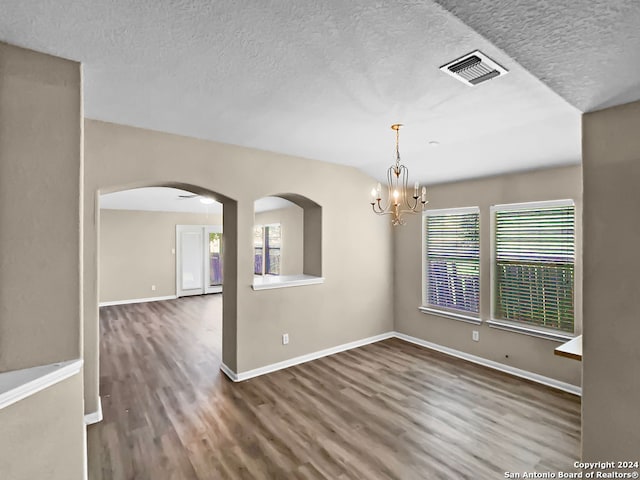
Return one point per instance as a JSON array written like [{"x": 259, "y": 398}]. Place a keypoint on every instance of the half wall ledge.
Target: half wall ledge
[
  {"x": 284, "y": 281},
  {"x": 17, "y": 385}
]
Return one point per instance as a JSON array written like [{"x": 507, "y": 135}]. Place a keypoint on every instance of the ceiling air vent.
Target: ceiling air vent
[{"x": 474, "y": 68}]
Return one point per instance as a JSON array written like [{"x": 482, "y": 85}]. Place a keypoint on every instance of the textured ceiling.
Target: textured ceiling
[
  {"x": 587, "y": 51},
  {"x": 322, "y": 80},
  {"x": 166, "y": 199}
]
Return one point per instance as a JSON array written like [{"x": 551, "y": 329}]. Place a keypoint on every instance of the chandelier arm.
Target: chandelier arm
[
  {"x": 377, "y": 209},
  {"x": 390, "y": 174},
  {"x": 382, "y": 212},
  {"x": 405, "y": 185},
  {"x": 380, "y": 207},
  {"x": 415, "y": 204}
]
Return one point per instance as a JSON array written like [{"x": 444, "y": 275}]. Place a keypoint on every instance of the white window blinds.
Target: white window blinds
[
  {"x": 534, "y": 265},
  {"x": 452, "y": 259}
]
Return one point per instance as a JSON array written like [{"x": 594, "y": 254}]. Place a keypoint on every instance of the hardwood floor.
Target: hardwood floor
[{"x": 389, "y": 410}]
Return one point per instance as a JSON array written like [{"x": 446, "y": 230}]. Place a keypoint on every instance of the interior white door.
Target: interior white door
[
  {"x": 198, "y": 259},
  {"x": 189, "y": 260}
]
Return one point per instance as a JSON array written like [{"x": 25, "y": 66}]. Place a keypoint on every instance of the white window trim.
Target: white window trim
[
  {"x": 555, "y": 335},
  {"x": 450, "y": 211},
  {"x": 518, "y": 327},
  {"x": 566, "y": 202},
  {"x": 452, "y": 315},
  {"x": 433, "y": 309}
]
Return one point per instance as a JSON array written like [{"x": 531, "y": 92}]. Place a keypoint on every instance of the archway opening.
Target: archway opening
[
  {"x": 199, "y": 208},
  {"x": 287, "y": 241}
]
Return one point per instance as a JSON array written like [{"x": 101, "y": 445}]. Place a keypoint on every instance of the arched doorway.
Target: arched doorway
[{"x": 229, "y": 285}]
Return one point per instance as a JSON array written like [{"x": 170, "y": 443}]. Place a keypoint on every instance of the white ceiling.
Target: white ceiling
[
  {"x": 165, "y": 199},
  {"x": 325, "y": 80},
  {"x": 587, "y": 51}
]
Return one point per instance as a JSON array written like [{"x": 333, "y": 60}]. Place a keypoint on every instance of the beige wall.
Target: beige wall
[
  {"x": 136, "y": 252},
  {"x": 291, "y": 222},
  {"x": 43, "y": 435},
  {"x": 611, "y": 383},
  {"x": 40, "y": 259},
  {"x": 136, "y": 249},
  {"x": 525, "y": 352},
  {"x": 353, "y": 303},
  {"x": 40, "y": 168}
]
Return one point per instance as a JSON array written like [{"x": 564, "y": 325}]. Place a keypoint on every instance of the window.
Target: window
[
  {"x": 451, "y": 240},
  {"x": 267, "y": 242},
  {"x": 533, "y": 271},
  {"x": 215, "y": 258}
]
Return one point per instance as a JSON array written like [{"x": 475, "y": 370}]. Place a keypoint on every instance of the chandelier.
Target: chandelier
[{"x": 399, "y": 200}]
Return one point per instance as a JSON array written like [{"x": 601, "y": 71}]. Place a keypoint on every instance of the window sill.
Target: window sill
[
  {"x": 454, "y": 316},
  {"x": 284, "y": 281},
  {"x": 534, "y": 332}
]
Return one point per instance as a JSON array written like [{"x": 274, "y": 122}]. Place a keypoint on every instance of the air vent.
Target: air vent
[{"x": 474, "y": 68}]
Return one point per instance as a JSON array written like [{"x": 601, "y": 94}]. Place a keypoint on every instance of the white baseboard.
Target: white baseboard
[
  {"x": 534, "y": 377},
  {"x": 94, "y": 417},
  {"x": 136, "y": 300},
  {"x": 239, "y": 377},
  {"x": 233, "y": 376},
  {"x": 85, "y": 463}
]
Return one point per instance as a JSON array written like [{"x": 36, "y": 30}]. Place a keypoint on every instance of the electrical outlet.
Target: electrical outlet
[
  {"x": 475, "y": 336},
  {"x": 285, "y": 338},
  {"x": 153, "y": 288},
  {"x": 173, "y": 251}
]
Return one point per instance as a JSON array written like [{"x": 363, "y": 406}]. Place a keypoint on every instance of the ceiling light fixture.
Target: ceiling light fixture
[
  {"x": 398, "y": 198},
  {"x": 207, "y": 200}
]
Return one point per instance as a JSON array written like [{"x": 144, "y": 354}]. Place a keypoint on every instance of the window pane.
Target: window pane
[
  {"x": 215, "y": 259},
  {"x": 535, "y": 257},
  {"x": 453, "y": 261},
  {"x": 273, "y": 241},
  {"x": 258, "y": 240},
  {"x": 257, "y": 261},
  {"x": 273, "y": 262}
]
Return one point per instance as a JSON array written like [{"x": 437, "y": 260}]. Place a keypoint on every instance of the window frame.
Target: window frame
[
  {"x": 521, "y": 327},
  {"x": 425, "y": 307}
]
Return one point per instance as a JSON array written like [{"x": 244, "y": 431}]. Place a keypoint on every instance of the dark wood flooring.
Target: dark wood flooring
[{"x": 389, "y": 410}]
